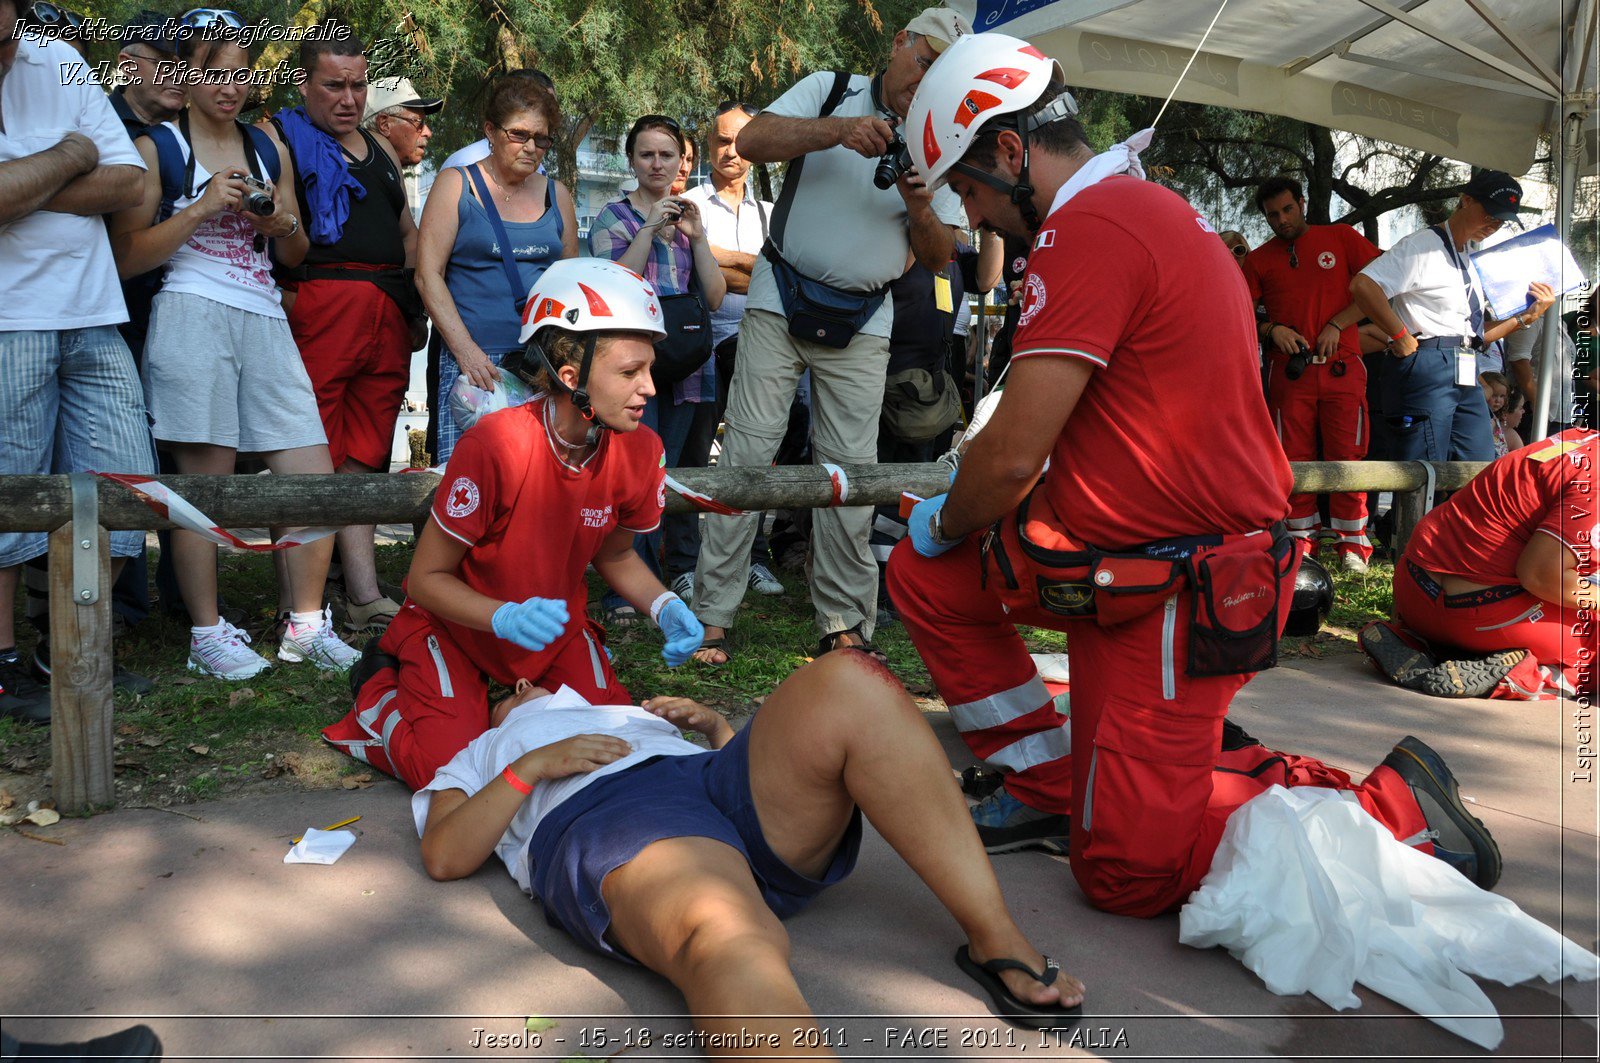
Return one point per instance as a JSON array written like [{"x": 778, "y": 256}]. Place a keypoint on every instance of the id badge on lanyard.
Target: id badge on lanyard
[{"x": 1466, "y": 366}]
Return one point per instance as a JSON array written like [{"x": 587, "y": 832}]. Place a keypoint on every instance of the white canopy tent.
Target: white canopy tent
[{"x": 1476, "y": 80}]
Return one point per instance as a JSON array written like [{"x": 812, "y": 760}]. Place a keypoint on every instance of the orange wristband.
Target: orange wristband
[
  {"x": 1397, "y": 335},
  {"x": 517, "y": 784}
]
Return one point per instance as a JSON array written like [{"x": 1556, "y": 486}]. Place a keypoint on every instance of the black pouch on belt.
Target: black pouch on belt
[{"x": 1234, "y": 616}]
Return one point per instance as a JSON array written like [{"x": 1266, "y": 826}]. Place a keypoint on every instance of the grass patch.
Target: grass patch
[{"x": 193, "y": 738}]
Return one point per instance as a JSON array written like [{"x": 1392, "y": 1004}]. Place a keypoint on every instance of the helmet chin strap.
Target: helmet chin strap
[
  {"x": 579, "y": 396},
  {"x": 1021, "y": 191}
]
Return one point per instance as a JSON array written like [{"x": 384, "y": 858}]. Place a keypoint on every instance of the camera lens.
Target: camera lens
[
  {"x": 896, "y": 162},
  {"x": 1297, "y": 363},
  {"x": 259, "y": 203}
]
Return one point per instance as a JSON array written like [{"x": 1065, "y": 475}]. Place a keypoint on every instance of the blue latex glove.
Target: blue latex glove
[
  {"x": 533, "y": 624},
  {"x": 918, "y": 527},
  {"x": 682, "y": 630}
]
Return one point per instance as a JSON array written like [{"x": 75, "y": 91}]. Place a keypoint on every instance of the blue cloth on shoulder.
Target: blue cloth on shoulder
[{"x": 324, "y": 174}]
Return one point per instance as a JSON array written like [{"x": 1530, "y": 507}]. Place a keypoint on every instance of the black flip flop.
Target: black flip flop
[
  {"x": 1007, "y": 1006},
  {"x": 830, "y": 643},
  {"x": 718, "y": 643}
]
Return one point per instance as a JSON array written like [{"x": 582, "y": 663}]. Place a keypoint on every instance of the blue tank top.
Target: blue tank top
[{"x": 476, "y": 277}]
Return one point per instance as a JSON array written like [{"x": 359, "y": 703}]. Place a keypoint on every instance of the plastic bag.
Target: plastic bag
[
  {"x": 469, "y": 403},
  {"x": 1313, "y": 895}
]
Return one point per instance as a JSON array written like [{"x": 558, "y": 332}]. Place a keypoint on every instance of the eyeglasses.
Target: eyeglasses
[
  {"x": 735, "y": 105},
  {"x": 201, "y": 17},
  {"x": 48, "y": 14},
  {"x": 542, "y": 141},
  {"x": 1294, "y": 259},
  {"x": 419, "y": 123}
]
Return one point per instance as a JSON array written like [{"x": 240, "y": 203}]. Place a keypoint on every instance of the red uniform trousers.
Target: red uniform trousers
[
  {"x": 1501, "y": 618},
  {"x": 1322, "y": 410},
  {"x": 357, "y": 350},
  {"x": 1142, "y": 763},
  {"x": 409, "y": 722}
]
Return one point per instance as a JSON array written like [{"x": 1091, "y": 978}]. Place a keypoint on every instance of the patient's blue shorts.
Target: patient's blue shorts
[{"x": 701, "y": 795}]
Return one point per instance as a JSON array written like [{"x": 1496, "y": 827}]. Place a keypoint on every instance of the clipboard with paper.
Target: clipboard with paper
[{"x": 1507, "y": 269}]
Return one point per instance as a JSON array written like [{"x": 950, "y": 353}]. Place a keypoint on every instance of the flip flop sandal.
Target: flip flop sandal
[
  {"x": 714, "y": 644},
  {"x": 830, "y": 643},
  {"x": 1007, "y": 1006},
  {"x": 622, "y": 616}
]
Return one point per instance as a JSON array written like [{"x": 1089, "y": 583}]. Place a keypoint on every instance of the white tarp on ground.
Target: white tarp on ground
[{"x": 1368, "y": 66}]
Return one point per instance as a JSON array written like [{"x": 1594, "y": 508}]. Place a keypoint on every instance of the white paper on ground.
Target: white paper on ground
[
  {"x": 1314, "y": 895},
  {"x": 1052, "y": 667},
  {"x": 320, "y": 847}
]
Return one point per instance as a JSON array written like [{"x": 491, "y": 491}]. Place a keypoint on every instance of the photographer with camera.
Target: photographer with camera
[
  {"x": 221, "y": 370},
  {"x": 837, "y": 237},
  {"x": 1316, "y": 380}
]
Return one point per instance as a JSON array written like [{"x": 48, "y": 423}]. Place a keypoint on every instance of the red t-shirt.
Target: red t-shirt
[
  {"x": 1481, "y": 531},
  {"x": 1171, "y": 437},
  {"x": 532, "y": 523},
  {"x": 1304, "y": 297}
]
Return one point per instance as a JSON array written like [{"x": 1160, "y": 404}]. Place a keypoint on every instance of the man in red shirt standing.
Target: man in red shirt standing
[
  {"x": 1508, "y": 563},
  {"x": 1316, "y": 382},
  {"x": 1158, "y": 537}
]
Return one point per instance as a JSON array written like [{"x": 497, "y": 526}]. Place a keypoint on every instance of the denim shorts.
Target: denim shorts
[
  {"x": 70, "y": 401},
  {"x": 700, "y": 795}
]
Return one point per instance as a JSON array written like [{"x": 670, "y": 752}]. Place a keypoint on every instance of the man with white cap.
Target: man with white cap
[
  {"x": 1157, "y": 542},
  {"x": 849, "y": 216},
  {"x": 398, "y": 113}
]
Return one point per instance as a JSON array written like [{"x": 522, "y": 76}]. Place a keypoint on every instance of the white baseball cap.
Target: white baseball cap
[{"x": 385, "y": 93}]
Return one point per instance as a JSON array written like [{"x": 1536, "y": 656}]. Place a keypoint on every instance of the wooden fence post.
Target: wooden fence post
[
  {"x": 80, "y": 659},
  {"x": 1409, "y": 507}
]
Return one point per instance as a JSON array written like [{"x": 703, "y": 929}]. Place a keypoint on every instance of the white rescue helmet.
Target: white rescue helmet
[
  {"x": 977, "y": 79},
  {"x": 591, "y": 295}
]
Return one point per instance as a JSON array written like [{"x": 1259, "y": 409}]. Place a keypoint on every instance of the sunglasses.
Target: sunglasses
[
  {"x": 47, "y": 14},
  {"x": 201, "y": 17},
  {"x": 1294, "y": 259},
  {"x": 648, "y": 120},
  {"x": 1239, "y": 250},
  {"x": 537, "y": 75},
  {"x": 542, "y": 141},
  {"x": 735, "y": 105}
]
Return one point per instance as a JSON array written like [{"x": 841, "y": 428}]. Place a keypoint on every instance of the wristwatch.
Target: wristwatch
[
  {"x": 294, "y": 226},
  {"x": 936, "y": 528}
]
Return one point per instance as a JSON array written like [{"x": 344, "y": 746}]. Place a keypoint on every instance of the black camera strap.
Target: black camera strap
[
  {"x": 791, "y": 180},
  {"x": 189, "y": 190}
]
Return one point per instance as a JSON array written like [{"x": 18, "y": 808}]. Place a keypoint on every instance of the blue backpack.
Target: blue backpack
[{"x": 177, "y": 171}]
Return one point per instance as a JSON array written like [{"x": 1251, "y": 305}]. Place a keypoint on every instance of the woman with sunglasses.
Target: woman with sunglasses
[
  {"x": 463, "y": 265},
  {"x": 222, "y": 373},
  {"x": 662, "y": 237}
]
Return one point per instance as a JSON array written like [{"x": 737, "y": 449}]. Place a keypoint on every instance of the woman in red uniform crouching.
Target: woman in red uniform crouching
[{"x": 531, "y": 496}]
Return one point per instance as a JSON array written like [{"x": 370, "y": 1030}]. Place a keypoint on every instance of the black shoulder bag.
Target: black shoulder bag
[
  {"x": 687, "y": 321},
  {"x": 817, "y": 312}
]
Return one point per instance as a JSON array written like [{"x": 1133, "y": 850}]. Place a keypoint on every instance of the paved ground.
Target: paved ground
[{"x": 197, "y": 921}]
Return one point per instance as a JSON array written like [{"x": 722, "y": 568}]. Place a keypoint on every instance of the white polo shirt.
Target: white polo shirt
[
  {"x": 732, "y": 230},
  {"x": 1425, "y": 287},
  {"x": 56, "y": 270},
  {"x": 843, "y": 230}
]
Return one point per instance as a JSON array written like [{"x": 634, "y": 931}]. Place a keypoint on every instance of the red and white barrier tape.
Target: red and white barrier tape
[
  {"x": 840, "y": 482},
  {"x": 704, "y": 503},
  {"x": 166, "y": 502}
]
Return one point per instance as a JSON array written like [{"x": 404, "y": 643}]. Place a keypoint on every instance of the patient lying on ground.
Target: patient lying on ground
[{"x": 650, "y": 849}]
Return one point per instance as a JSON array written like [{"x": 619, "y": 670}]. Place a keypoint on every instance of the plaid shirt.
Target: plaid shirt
[{"x": 668, "y": 269}]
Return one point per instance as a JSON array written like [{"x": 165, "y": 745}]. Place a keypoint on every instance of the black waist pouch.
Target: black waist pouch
[{"x": 818, "y": 312}]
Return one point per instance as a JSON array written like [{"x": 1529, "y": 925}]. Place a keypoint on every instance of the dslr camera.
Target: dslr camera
[
  {"x": 1297, "y": 362},
  {"x": 257, "y": 197},
  {"x": 895, "y": 164}
]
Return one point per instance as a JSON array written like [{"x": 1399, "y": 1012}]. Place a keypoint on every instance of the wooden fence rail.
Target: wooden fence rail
[{"x": 78, "y": 511}]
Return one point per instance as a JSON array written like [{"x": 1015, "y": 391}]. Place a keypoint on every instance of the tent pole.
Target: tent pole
[{"x": 1567, "y": 145}]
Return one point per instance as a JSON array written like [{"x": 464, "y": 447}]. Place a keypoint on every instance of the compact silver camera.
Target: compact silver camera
[{"x": 257, "y": 197}]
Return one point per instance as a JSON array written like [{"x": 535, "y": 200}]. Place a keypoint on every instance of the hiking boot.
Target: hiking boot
[
  {"x": 21, "y": 697},
  {"x": 121, "y": 679},
  {"x": 224, "y": 652},
  {"x": 1351, "y": 561},
  {"x": 683, "y": 587},
  {"x": 762, "y": 581},
  {"x": 1410, "y": 666},
  {"x": 319, "y": 644},
  {"x": 373, "y": 661},
  {"x": 372, "y": 618},
  {"x": 1005, "y": 824},
  {"x": 1459, "y": 838}
]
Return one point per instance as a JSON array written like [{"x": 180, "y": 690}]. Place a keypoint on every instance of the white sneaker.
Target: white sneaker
[
  {"x": 1351, "y": 561},
  {"x": 762, "y": 581},
  {"x": 319, "y": 645},
  {"x": 683, "y": 587},
  {"x": 225, "y": 654}
]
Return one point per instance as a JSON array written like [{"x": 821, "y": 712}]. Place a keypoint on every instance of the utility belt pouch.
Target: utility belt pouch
[
  {"x": 818, "y": 312},
  {"x": 1037, "y": 565},
  {"x": 1235, "y": 613}
]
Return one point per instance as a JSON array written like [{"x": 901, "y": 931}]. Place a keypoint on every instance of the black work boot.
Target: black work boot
[{"x": 1459, "y": 838}]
